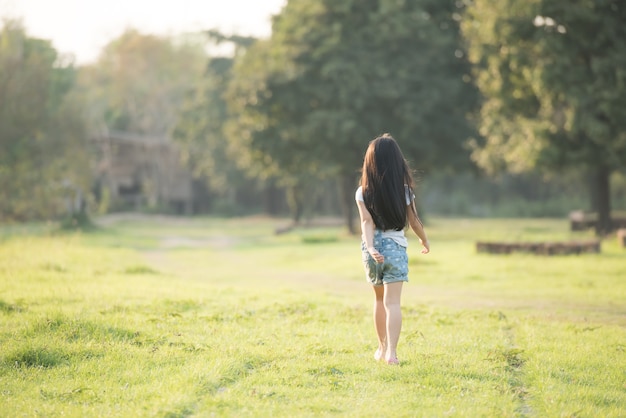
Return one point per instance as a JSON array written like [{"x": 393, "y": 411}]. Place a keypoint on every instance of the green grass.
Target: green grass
[{"x": 163, "y": 317}]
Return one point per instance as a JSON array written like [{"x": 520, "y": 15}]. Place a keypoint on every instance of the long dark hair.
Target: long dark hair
[{"x": 385, "y": 174}]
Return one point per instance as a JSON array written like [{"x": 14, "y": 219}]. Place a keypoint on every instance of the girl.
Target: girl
[{"x": 386, "y": 204}]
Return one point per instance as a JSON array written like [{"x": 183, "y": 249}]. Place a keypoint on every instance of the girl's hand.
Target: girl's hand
[
  {"x": 426, "y": 246},
  {"x": 378, "y": 257}
]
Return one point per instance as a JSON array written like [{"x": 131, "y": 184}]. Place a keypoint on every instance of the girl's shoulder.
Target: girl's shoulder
[
  {"x": 358, "y": 196},
  {"x": 409, "y": 196}
]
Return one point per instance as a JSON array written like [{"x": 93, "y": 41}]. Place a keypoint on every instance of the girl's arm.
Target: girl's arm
[
  {"x": 367, "y": 230},
  {"x": 418, "y": 227}
]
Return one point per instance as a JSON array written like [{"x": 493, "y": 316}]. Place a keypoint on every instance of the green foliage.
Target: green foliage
[
  {"x": 512, "y": 195},
  {"x": 289, "y": 332},
  {"x": 335, "y": 74},
  {"x": 551, "y": 75},
  {"x": 262, "y": 136},
  {"x": 43, "y": 154},
  {"x": 553, "y": 92},
  {"x": 200, "y": 130},
  {"x": 205, "y": 149},
  {"x": 139, "y": 82}
]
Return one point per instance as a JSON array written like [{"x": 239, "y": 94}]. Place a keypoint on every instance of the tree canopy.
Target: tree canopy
[
  {"x": 535, "y": 87},
  {"x": 201, "y": 130},
  {"x": 140, "y": 81},
  {"x": 43, "y": 152},
  {"x": 552, "y": 75},
  {"x": 335, "y": 74}
]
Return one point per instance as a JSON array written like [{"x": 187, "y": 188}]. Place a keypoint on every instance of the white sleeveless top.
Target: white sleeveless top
[{"x": 397, "y": 236}]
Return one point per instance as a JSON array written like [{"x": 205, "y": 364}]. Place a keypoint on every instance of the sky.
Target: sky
[{"x": 83, "y": 27}]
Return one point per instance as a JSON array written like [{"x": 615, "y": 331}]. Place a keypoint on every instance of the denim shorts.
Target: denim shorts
[{"x": 395, "y": 268}]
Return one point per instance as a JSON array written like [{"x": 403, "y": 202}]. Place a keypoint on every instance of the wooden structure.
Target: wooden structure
[
  {"x": 142, "y": 171},
  {"x": 541, "y": 248}
]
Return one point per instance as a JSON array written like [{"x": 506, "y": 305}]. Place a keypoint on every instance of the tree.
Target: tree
[
  {"x": 263, "y": 129},
  {"x": 137, "y": 87},
  {"x": 140, "y": 81},
  {"x": 554, "y": 88},
  {"x": 43, "y": 149},
  {"x": 335, "y": 74},
  {"x": 200, "y": 131}
]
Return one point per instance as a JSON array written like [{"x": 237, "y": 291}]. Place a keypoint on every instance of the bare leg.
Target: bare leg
[
  {"x": 380, "y": 322},
  {"x": 391, "y": 300}
]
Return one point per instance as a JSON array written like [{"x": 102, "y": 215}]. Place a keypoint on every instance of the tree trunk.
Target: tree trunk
[
  {"x": 593, "y": 191},
  {"x": 295, "y": 200},
  {"x": 603, "y": 200},
  {"x": 347, "y": 188},
  {"x": 271, "y": 199}
]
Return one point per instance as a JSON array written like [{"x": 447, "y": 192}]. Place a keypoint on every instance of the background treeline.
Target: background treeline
[{"x": 504, "y": 108}]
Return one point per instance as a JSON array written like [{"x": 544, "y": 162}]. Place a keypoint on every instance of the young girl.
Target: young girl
[{"x": 386, "y": 204}]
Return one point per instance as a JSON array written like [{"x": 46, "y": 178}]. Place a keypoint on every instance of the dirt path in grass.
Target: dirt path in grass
[
  {"x": 159, "y": 257},
  {"x": 166, "y": 259}
]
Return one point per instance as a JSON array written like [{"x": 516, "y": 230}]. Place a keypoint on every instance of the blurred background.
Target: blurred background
[{"x": 503, "y": 108}]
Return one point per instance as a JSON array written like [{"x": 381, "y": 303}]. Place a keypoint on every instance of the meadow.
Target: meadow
[{"x": 152, "y": 316}]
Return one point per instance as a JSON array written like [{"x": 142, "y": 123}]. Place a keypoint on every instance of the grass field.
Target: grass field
[{"x": 167, "y": 317}]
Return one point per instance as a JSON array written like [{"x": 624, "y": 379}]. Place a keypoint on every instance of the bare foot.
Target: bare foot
[
  {"x": 393, "y": 361},
  {"x": 378, "y": 355}
]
